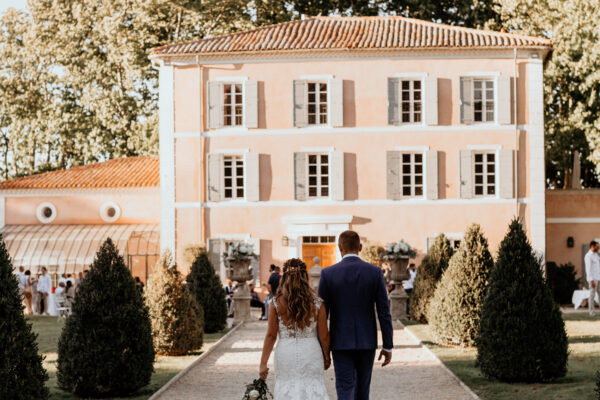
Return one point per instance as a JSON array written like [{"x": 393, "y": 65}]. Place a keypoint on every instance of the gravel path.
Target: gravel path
[{"x": 413, "y": 374}]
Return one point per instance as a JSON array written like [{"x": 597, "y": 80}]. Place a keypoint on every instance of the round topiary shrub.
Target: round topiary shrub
[
  {"x": 177, "y": 320},
  {"x": 522, "y": 336},
  {"x": 22, "y": 376},
  {"x": 428, "y": 275},
  {"x": 206, "y": 288},
  {"x": 455, "y": 309},
  {"x": 105, "y": 348}
]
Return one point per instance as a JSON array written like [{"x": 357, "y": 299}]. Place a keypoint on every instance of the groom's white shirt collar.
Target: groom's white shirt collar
[{"x": 349, "y": 255}]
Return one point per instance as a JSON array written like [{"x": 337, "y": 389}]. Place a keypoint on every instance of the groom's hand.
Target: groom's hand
[{"x": 387, "y": 357}]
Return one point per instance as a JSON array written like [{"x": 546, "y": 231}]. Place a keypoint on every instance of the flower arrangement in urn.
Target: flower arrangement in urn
[
  {"x": 238, "y": 251},
  {"x": 257, "y": 390},
  {"x": 395, "y": 251}
]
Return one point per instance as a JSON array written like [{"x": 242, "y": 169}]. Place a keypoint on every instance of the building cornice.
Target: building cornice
[{"x": 76, "y": 191}]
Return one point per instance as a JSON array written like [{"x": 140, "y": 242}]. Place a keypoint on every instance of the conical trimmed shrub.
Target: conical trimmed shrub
[
  {"x": 428, "y": 275},
  {"x": 206, "y": 288},
  {"x": 177, "y": 320},
  {"x": 455, "y": 310},
  {"x": 105, "y": 348},
  {"x": 598, "y": 385},
  {"x": 22, "y": 376},
  {"x": 522, "y": 336}
]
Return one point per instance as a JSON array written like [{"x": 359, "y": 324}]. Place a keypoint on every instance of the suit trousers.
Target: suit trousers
[
  {"x": 593, "y": 291},
  {"x": 353, "y": 369}
]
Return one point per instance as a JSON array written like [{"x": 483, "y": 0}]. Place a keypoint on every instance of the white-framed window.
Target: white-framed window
[
  {"x": 411, "y": 100},
  {"x": 110, "y": 211},
  {"x": 484, "y": 173},
  {"x": 411, "y": 182},
  {"x": 318, "y": 175},
  {"x": 317, "y": 103},
  {"x": 233, "y": 177},
  {"x": 233, "y": 104},
  {"x": 483, "y": 100},
  {"x": 318, "y": 239},
  {"x": 45, "y": 212}
]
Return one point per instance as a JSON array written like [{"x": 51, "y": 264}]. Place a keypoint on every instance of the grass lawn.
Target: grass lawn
[
  {"x": 49, "y": 328},
  {"x": 579, "y": 383}
]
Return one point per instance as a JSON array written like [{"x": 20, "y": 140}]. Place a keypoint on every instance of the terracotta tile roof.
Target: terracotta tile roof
[
  {"x": 116, "y": 173},
  {"x": 341, "y": 33}
]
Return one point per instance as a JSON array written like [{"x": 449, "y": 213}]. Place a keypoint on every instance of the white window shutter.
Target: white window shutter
[
  {"x": 215, "y": 104},
  {"x": 336, "y": 102},
  {"x": 466, "y": 174},
  {"x": 431, "y": 167},
  {"x": 393, "y": 101},
  {"x": 504, "y": 108},
  {"x": 216, "y": 248},
  {"x": 336, "y": 179},
  {"x": 251, "y": 104},
  {"x": 466, "y": 100},
  {"x": 431, "y": 100},
  {"x": 393, "y": 190},
  {"x": 506, "y": 174},
  {"x": 300, "y": 178},
  {"x": 300, "y": 103},
  {"x": 215, "y": 177},
  {"x": 252, "y": 184}
]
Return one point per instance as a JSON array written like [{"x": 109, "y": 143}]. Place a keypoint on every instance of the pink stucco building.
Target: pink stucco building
[{"x": 286, "y": 135}]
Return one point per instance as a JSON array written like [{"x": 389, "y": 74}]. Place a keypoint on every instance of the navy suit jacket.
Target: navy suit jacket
[{"x": 351, "y": 289}]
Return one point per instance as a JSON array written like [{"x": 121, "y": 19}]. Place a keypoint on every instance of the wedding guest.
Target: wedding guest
[
  {"x": 44, "y": 286},
  {"x": 409, "y": 283},
  {"x": 229, "y": 297},
  {"x": 28, "y": 292},
  {"x": 592, "y": 274},
  {"x": 71, "y": 279},
  {"x": 62, "y": 279},
  {"x": 274, "y": 279},
  {"x": 256, "y": 303},
  {"x": 60, "y": 289},
  {"x": 70, "y": 293},
  {"x": 21, "y": 280},
  {"x": 78, "y": 281}
]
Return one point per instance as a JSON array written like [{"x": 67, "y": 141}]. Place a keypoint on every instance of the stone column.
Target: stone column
[
  {"x": 398, "y": 297},
  {"x": 314, "y": 275},
  {"x": 240, "y": 273}
]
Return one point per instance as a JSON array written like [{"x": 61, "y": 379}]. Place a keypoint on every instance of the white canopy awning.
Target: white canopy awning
[{"x": 72, "y": 248}]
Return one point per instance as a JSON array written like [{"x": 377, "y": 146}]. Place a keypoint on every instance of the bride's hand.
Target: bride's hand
[
  {"x": 263, "y": 371},
  {"x": 326, "y": 363}
]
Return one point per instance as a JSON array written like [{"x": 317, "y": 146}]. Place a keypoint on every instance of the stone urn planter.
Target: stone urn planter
[
  {"x": 314, "y": 275},
  {"x": 239, "y": 271},
  {"x": 398, "y": 297}
]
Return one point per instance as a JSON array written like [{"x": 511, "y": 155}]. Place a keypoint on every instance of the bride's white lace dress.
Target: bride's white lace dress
[{"x": 299, "y": 373}]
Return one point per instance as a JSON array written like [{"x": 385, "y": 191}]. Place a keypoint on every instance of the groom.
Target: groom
[{"x": 351, "y": 289}]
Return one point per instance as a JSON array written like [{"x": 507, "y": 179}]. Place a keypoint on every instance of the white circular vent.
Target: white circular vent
[
  {"x": 46, "y": 212},
  {"x": 110, "y": 211}
]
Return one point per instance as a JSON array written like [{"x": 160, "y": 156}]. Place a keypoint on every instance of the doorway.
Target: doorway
[{"x": 318, "y": 246}]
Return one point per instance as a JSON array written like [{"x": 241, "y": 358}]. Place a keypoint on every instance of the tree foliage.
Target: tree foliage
[
  {"x": 455, "y": 310},
  {"x": 428, "y": 275},
  {"x": 562, "y": 281},
  {"x": 205, "y": 286},
  {"x": 177, "y": 320},
  {"x": 105, "y": 348},
  {"x": 522, "y": 335},
  {"x": 372, "y": 252},
  {"x": 22, "y": 376}
]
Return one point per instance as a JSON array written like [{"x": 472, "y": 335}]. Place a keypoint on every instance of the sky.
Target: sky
[{"x": 19, "y": 4}]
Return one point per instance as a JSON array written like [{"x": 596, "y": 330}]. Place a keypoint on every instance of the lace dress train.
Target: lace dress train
[{"x": 299, "y": 373}]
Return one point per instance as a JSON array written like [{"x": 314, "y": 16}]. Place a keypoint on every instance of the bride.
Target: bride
[{"x": 296, "y": 315}]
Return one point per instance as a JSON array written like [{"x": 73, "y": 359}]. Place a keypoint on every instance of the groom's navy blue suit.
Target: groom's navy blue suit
[{"x": 351, "y": 289}]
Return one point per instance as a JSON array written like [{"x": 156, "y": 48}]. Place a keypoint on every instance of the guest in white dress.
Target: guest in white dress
[{"x": 299, "y": 318}]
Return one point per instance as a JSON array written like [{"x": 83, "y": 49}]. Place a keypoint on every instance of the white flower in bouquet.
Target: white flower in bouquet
[
  {"x": 254, "y": 394},
  {"x": 397, "y": 248}
]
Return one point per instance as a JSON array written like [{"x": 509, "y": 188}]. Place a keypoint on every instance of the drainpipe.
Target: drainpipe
[
  {"x": 516, "y": 164},
  {"x": 203, "y": 236}
]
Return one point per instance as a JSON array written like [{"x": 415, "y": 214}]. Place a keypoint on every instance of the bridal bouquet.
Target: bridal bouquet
[
  {"x": 401, "y": 249},
  {"x": 237, "y": 251},
  {"x": 257, "y": 390}
]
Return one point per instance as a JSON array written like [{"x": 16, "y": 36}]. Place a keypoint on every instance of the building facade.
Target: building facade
[{"x": 287, "y": 135}]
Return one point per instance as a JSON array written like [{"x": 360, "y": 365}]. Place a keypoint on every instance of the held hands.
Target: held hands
[
  {"x": 593, "y": 284},
  {"x": 263, "y": 371},
  {"x": 387, "y": 357},
  {"x": 326, "y": 362}
]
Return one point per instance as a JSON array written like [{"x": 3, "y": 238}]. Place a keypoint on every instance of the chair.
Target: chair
[{"x": 62, "y": 306}]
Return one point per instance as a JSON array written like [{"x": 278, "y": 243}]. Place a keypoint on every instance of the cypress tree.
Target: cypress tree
[
  {"x": 522, "y": 336},
  {"x": 455, "y": 310},
  {"x": 177, "y": 320},
  {"x": 206, "y": 288},
  {"x": 22, "y": 376},
  {"x": 428, "y": 275},
  {"x": 105, "y": 348},
  {"x": 598, "y": 385}
]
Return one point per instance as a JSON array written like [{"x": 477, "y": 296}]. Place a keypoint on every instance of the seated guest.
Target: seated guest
[{"x": 256, "y": 303}]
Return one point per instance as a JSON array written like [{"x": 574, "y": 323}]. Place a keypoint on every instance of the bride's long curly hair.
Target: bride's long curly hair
[{"x": 298, "y": 295}]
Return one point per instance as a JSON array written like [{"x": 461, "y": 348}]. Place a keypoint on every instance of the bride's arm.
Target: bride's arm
[
  {"x": 270, "y": 339},
  {"x": 324, "y": 334}
]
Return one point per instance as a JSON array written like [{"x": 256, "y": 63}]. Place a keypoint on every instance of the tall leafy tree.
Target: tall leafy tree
[{"x": 571, "y": 81}]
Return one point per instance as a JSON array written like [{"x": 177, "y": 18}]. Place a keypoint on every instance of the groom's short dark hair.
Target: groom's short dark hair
[{"x": 349, "y": 241}]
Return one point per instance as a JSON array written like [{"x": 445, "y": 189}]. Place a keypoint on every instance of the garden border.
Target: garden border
[
  {"x": 201, "y": 357},
  {"x": 452, "y": 374}
]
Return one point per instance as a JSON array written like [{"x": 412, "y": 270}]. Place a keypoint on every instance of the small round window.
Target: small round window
[
  {"x": 110, "y": 212},
  {"x": 46, "y": 212}
]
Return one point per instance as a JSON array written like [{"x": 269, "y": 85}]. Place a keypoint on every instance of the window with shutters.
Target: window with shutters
[
  {"x": 317, "y": 103},
  {"x": 412, "y": 174},
  {"x": 233, "y": 175},
  {"x": 484, "y": 172},
  {"x": 233, "y": 105},
  {"x": 410, "y": 104},
  {"x": 483, "y": 100},
  {"x": 318, "y": 175}
]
